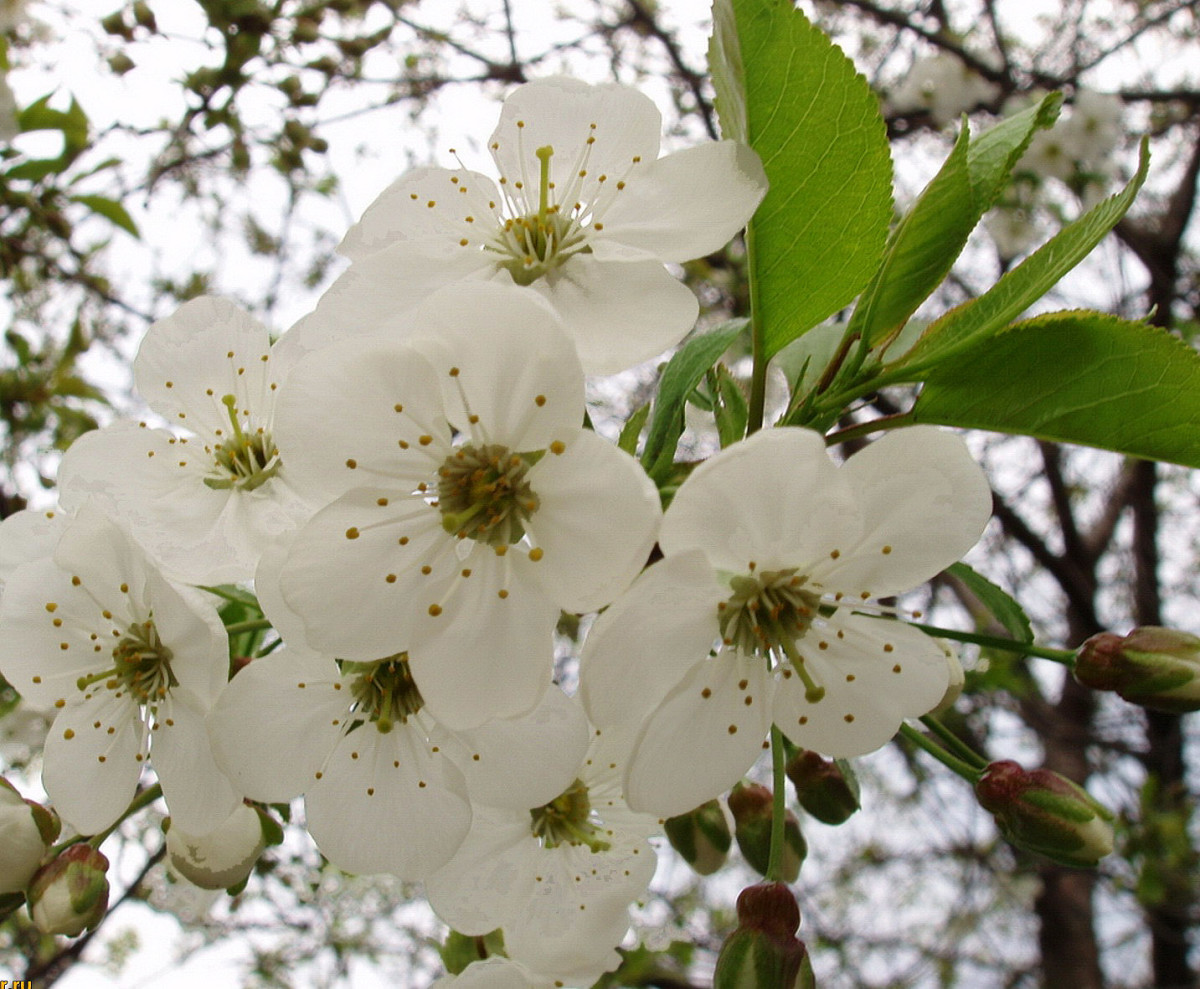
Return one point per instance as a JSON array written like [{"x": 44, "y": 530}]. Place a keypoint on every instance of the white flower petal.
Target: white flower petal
[
  {"x": 619, "y": 313},
  {"x": 493, "y": 973},
  {"x": 775, "y": 499},
  {"x": 596, "y": 523},
  {"x": 523, "y": 762},
  {"x": 431, "y": 205},
  {"x": 29, "y": 535},
  {"x": 649, "y": 639},
  {"x": 362, "y": 412},
  {"x": 377, "y": 293},
  {"x": 564, "y": 114},
  {"x": 687, "y": 204},
  {"x": 198, "y": 794},
  {"x": 516, "y": 368},
  {"x": 385, "y": 803},
  {"x": 703, "y": 738},
  {"x": 277, "y": 721},
  {"x": 93, "y": 761},
  {"x": 208, "y": 348},
  {"x": 875, "y": 673},
  {"x": 924, "y": 502},
  {"x": 483, "y": 656}
]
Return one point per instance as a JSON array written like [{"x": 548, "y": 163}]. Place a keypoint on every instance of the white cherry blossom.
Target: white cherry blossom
[
  {"x": 475, "y": 506},
  {"x": 130, "y": 662},
  {"x": 585, "y": 214},
  {"x": 559, "y": 878},
  {"x": 208, "y": 494},
  {"x": 763, "y": 609}
]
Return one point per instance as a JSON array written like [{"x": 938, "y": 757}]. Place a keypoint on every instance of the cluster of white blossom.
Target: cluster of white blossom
[
  {"x": 406, "y": 479},
  {"x": 944, "y": 85}
]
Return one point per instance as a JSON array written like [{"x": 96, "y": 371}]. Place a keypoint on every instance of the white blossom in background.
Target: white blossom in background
[
  {"x": 1082, "y": 141},
  {"x": 945, "y": 86},
  {"x": 386, "y": 788},
  {"x": 130, "y": 663},
  {"x": 495, "y": 973},
  {"x": 774, "y": 557},
  {"x": 473, "y": 506},
  {"x": 559, "y": 878},
  {"x": 585, "y": 215},
  {"x": 208, "y": 494}
]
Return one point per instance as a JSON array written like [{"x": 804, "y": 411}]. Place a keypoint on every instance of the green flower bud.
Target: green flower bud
[
  {"x": 70, "y": 894},
  {"x": 223, "y": 858},
  {"x": 764, "y": 952},
  {"x": 27, "y": 829},
  {"x": 752, "y": 807},
  {"x": 701, "y": 836},
  {"x": 1042, "y": 812},
  {"x": 1155, "y": 667},
  {"x": 826, "y": 789}
]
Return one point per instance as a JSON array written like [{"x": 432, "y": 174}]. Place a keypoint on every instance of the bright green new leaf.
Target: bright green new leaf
[
  {"x": 927, "y": 242},
  {"x": 730, "y": 409},
  {"x": 784, "y": 87},
  {"x": 1023, "y": 285},
  {"x": 72, "y": 122},
  {"x": 632, "y": 429},
  {"x": 682, "y": 373},
  {"x": 1129, "y": 387},
  {"x": 111, "y": 210}
]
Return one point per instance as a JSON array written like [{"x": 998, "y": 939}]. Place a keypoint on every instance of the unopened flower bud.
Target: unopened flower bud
[
  {"x": 224, "y": 857},
  {"x": 1155, "y": 667},
  {"x": 752, "y": 807},
  {"x": 70, "y": 894},
  {"x": 701, "y": 836},
  {"x": 1039, "y": 811},
  {"x": 764, "y": 952},
  {"x": 826, "y": 789},
  {"x": 27, "y": 829}
]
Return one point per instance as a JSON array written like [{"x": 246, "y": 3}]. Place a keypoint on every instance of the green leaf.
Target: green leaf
[
  {"x": 927, "y": 242},
  {"x": 730, "y": 408},
  {"x": 72, "y": 122},
  {"x": 1023, "y": 285},
  {"x": 819, "y": 233},
  {"x": 38, "y": 169},
  {"x": 111, "y": 210},
  {"x": 999, "y": 603},
  {"x": 632, "y": 429},
  {"x": 682, "y": 373},
  {"x": 1075, "y": 377}
]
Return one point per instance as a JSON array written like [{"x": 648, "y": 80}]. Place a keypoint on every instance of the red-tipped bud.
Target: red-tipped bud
[
  {"x": 70, "y": 894},
  {"x": 752, "y": 807},
  {"x": 701, "y": 836},
  {"x": 764, "y": 952},
  {"x": 1155, "y": 667},
  {"x": 27, "y": 829},
  {"x": 826, "y": 789},
  {"x": 1040, "y": 811}
]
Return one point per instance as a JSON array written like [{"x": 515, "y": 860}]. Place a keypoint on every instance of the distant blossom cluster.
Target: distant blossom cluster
[{"x": 408, "y": 482}]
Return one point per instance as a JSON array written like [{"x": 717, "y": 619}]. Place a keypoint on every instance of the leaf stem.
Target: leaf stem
[
  {"x": 966, "y": 771},
  {"x": 758, "y": 345},
  {"x": 953, "y": 742},
  {"x": 251, "y": 625},
  {"x": 897, "y": 421},
  {"x": 778, "y": 807},
  {"x": 1064, "y": 656}
]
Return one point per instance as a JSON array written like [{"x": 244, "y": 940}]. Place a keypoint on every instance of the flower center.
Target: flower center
[
  {"x": 567, "y": 820},
  {"x": 141, "y": 666},
  {"x": 539, "y": 242},
  {"x": 384, "y": 691},
  {"x": 483, "y": 494},
  {"x": 245, "y": 460},
  {"x": 767, "y": 612}
]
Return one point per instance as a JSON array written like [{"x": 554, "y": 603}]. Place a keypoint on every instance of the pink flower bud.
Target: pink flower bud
[
  {"x": 752, "y": 806},
  {"x": 701, "y": 836},
  {"x": 1039, "y": 811},
  {"x": 826, "y": 789},
  {"x": 764, "y": 952},
  {"x": 70, "y": 894},
  {"x": 1151, "y": 666},
  {"x": 27, "y": 829}
]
